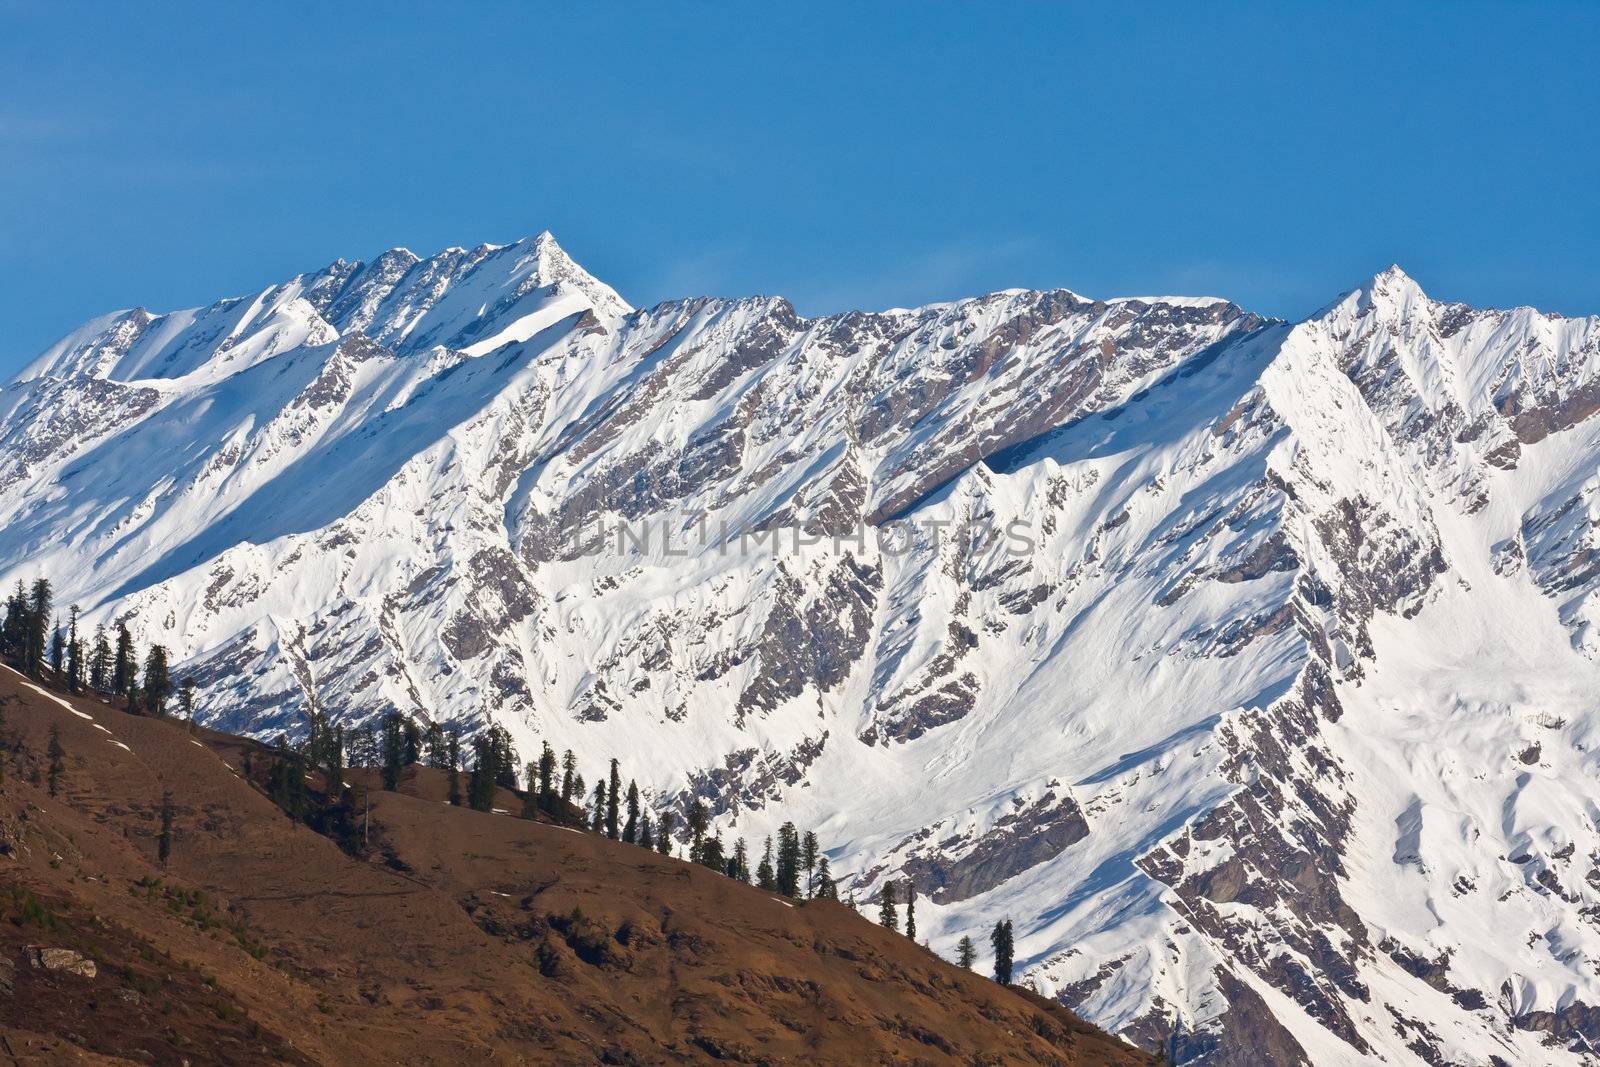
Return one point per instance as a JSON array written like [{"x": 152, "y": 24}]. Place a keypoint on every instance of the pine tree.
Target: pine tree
[
  {"x": 764, "y": 876},
  {"x": 56, "y": 755},
  {"x": 392, "y": 746},
  {"x": 486, "y": 773},
  {"x": 334, "y": 759},
  {"x": 363, "y": 747},
  {"x": 647, "y": 838},
  {"x": 123, "y": 665},
  {"x": 503, "y": 756},
  {"x": 808, "y": 861},
  {"x": 569, "y": 768},
  {"x": 286, "y": 783},
  {"x": 598, "y": 816},
  {"x": 664, "y": 834},
  {"x": 630, "y": 829},
  {"x": 1000, "y": 939},
  {"x": 480, "y": 776},
  {"x": 697, "y": 822},
  {"x": 74, "y": 665},
  {"x": 410, "y": 742},
  {"x": 100, "y": 660},
  {"x": 547, "y": 774},
  {"x": 74, "y": 654},
  {"x": 711, "y": 854},
  {"x": 434, "y": 749},
  {"x": 453, "y": 756},
  {"x": 966, "y": 953},
  {"x": 34, "y": 638},
  {"x": 58, "y": 651},
  {"x": 157, "y": 684},
  {"x": 826, "y": 889},
  {"x": 888, "y": 918},
  {"x": 413, "y": 742},
  {"x": 325, "y": 750},
  {"x": 788, "y": 860},
  {"x": 164, "y": 843},
  {"x": 739, "y": 865},
  {"x": 314, "y": 744},
  {"x": 530, "y": 799},
  {"x": 613, "y": 802},
  {"x": 15, "y": 627},
  {"x": 911, "y": 911},
  {"x": 186, "y": 698}
]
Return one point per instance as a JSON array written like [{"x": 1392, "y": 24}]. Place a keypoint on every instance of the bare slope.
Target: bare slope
[{"x": 465, "y": 937}]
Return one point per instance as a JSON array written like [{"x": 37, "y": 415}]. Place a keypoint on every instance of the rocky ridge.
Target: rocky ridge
[{"x": 1209, "y": 648}]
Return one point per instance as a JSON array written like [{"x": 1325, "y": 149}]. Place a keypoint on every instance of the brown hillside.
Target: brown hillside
[{"x": 457, "y": 937}]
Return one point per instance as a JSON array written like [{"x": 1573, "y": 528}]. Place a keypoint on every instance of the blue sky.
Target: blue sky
[{"x": 850, "y": 155}]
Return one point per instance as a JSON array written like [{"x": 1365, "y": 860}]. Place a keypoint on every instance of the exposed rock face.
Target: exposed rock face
[
  {"x": 61, "y": 959},
  {"x": 812, "y": 637},
  {"x": 958, "y": 867},
  {"x": 1247, "y": 667}
]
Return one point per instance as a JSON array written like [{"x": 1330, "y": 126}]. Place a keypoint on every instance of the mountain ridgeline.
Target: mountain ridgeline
[{"x": 1238, "y": 676}]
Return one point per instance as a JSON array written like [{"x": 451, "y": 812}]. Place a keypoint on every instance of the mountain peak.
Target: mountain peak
[
  {"x": 1393, "y": 282},
  {"x": 552, "y": 265},
  {"x": 1391, "y": 288},
  {"x": 1393, "y": 275}
]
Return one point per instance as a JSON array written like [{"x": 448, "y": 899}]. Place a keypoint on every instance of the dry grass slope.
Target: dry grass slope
[{"x": 454, "y": 937}]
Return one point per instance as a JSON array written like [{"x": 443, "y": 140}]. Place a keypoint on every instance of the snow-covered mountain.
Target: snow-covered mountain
[{"x": 1249, "y": 667}]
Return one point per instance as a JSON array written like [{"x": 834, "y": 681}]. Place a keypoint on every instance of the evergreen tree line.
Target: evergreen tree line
[
  {"x": 106, "y": 664},
  {"x": 489, "y": 761},
  {"x": 795, "y": 867},
  {"x": 332, "y": 813},
  {"x": 398, "y": 741},
  {"x": 966, "y": 953}
]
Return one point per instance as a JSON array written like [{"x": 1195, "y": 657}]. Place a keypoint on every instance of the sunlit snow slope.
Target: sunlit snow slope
[{"x": 1249, "y": 667}]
